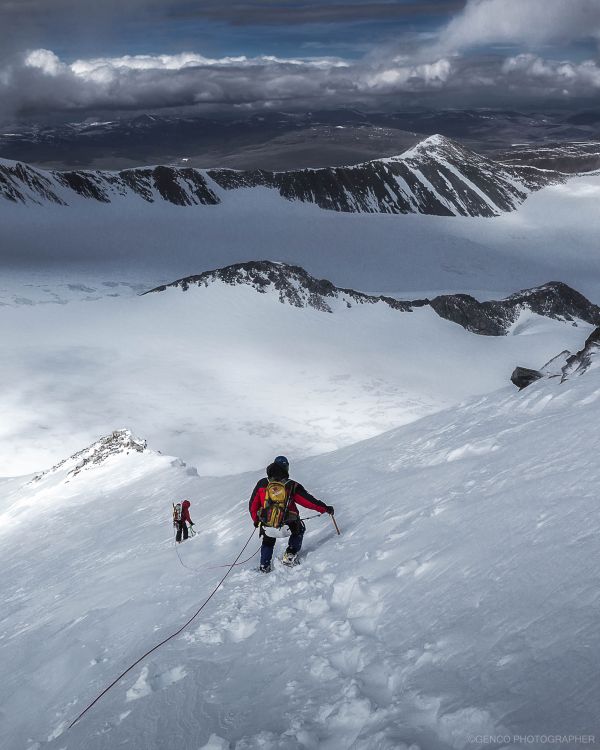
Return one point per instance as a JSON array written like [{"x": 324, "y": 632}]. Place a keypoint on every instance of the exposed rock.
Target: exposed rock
[
  {"x": 119, "y": 441},
  {"x": 20, "y": 183},
  {"x": 565, "y": 365},
  {"x": 554, "y": 367},
  {"x": 587, "y": 357},
  {"x": 523, "y": 376},
  {"x": 492, "y": 318},
  {"x": 438, "y": 176},
  {"x": 295, "y": 286},
  {"x": 570, "y": 158},
  {"x": 495, "y": 317},
  {"x": 487, "y": 318}
]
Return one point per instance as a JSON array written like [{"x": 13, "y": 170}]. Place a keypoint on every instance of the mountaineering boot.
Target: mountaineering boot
[
  {"x": 265, "y": 568},
  {"x": 289, "y": 557}
]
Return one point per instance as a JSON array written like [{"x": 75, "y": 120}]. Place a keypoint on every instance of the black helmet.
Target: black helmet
[{"x": 277, "y": 471}]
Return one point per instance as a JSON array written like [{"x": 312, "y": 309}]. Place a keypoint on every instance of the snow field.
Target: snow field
[
  {"x": 552, "y": 236},
  {"x": 223, "y": 376},
  {"x": 461, "y": 599}
]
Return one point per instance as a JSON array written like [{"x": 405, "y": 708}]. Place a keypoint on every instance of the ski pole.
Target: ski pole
[{"x": 335, "y": 524}]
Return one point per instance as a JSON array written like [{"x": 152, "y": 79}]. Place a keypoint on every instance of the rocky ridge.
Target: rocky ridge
[
  {"x": 298, "y": 288},
  {"x": 437, "y": 177},
  {"x": 294, "y": 285},
  {"x": 119, "y": 441},
  {"x": 564, "y": 366},
  {"x": 570, "y": 158},
  {"x": 583, "y": 360}
]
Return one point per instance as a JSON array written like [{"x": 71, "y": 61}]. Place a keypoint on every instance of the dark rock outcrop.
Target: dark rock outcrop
[
  {"x": 492, "y": 318},
  {"x": 295, "y": 286},
  {"x": 20, "y": 183},
  {"x": 569, "y": 158},
  {"x": 495, "y": 317},
  {"x": 119, "y": 441},
  {"x": 523, "y": 376},
  {"x": 565, "y": 365},
  {"x": 580, "y": 362},
  {"x": 438, "y": 177}
]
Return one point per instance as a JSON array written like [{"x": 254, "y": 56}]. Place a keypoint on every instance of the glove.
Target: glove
[
  {"x": 191, "y": 523},
  {"x": 256, "y": 523},
  {"x": 330, "y": 510}
]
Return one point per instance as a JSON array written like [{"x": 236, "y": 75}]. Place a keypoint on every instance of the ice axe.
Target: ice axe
[{"x": 335, "y": 524}]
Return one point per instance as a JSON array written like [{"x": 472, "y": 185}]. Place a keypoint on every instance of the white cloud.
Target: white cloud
[
  {"x": 85, "y": 68},
  {"x": 522, "y": 22},
  {"x": 46, "y": 61},
  {"x": 554, "y": 72},
  {"x": 401, "y": 75},
  {"x": 43, "y": 83}
]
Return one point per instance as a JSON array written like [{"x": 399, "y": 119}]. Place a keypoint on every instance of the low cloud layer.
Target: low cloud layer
[{"x": 441, "y": 69}]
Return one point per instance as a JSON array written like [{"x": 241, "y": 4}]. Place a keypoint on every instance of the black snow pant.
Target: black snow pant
[
  {"x": 294, "y": 541},
  {"x": 181, "y": 528}
]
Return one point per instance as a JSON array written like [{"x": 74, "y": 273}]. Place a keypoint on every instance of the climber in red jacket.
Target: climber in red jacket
[
  {"x": 266, "y": 512},
  {"x": 183, "y": 521}
]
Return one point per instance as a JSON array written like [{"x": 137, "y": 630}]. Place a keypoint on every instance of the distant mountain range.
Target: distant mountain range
[
  {"x": 438, "y": 177},
  {"x": 298, "y": 288},
  {"x": 282, "y": 140}
]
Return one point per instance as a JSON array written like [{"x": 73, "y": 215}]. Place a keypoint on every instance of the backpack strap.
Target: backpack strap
[{"x": 292, "y": 491}]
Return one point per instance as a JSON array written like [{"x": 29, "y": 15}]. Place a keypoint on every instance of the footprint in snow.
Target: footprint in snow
[
  {"x": 358, "y": 601},
  {"x": 144, "y": 686}
]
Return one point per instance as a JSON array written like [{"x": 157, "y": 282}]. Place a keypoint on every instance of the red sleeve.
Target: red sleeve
[
  {"x": 256, "y": 500},
  {"x": 185, "y": 516},
  {"x": 302, "y": 497}
]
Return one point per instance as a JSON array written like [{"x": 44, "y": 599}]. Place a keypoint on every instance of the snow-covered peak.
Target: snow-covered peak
[
  {"x": 119, "y": 442},
  {"x": 438, "y": 177},
  {"x": 295, "y": 286},
  {"x": 432, "y": 143}
]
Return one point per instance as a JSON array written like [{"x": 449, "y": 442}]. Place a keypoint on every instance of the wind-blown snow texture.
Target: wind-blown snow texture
[{"x": 460, "y": 603}]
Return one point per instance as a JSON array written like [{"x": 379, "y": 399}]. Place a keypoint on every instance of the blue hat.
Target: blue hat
[{"x": 282, "y": 461}]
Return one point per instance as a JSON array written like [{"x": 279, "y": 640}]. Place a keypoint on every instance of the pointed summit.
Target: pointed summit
[{"x": 118, "y": 442}]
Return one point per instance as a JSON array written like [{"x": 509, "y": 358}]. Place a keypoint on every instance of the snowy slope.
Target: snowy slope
[
  {"x": 226, "y": 370},
  {"x": 459, "y": 604}
]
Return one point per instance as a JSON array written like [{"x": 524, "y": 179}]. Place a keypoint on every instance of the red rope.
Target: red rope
[
  {"x": 226, "y": 565},
  {"x": 214, "y": 567},
  {"x": 158, "y": 645}
]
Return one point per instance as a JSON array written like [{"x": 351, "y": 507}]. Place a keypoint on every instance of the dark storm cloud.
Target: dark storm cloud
[
  {"x": 46, "y": 84},
  {"x": 245, "y": 12},
  {"x": 440, "y": 68},
  {"x": 283, "y": 13}
]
